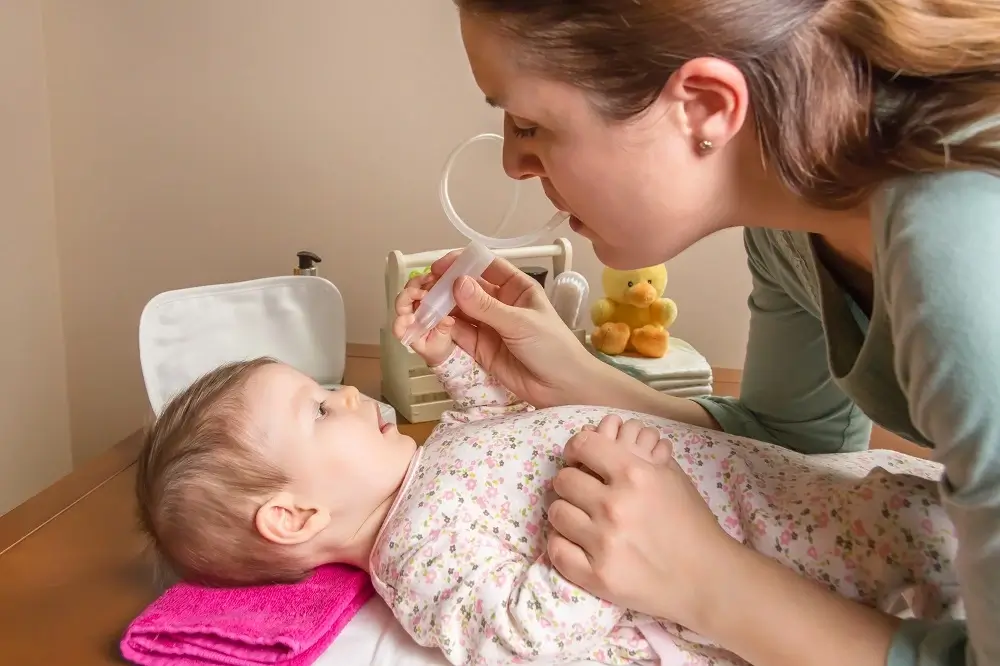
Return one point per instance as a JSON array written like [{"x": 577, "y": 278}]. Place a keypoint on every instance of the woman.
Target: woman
[{"x": 855, "y": 140}]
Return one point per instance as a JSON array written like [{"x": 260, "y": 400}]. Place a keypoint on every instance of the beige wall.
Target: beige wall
[
  {"x": 34, "y": 424},
  {"x": 202, "y": 141}
]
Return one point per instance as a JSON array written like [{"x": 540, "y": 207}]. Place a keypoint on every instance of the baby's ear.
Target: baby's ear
[{"x": 284, "y": 520}]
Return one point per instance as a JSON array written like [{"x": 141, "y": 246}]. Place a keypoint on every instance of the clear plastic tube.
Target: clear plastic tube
[
  {"x": 440, "y": 300},
  {"x": 472, "y": 234},
  {"x": 474, "y": 259}
]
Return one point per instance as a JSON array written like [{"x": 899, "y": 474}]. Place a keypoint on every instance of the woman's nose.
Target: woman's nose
[{"x": 519, "y": 161}]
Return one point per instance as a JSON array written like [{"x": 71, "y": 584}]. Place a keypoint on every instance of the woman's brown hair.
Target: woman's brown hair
[{"x": 846, "y": 94}]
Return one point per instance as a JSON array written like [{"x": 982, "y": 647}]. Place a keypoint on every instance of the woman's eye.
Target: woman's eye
[
  {"x": 517, "y": 131},
  {"x": 524, "y": 132}
]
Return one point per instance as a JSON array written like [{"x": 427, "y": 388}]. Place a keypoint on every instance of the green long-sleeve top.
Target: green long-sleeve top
[{"x": 926, "y": 365}]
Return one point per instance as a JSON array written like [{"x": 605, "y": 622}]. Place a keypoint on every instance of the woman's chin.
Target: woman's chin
[
  {"x": 618, "y": 258},
  {"x": 623, "y": 259}
]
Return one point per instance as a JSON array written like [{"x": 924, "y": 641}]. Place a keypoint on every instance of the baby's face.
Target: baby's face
[{"x": 345, "y": 463}]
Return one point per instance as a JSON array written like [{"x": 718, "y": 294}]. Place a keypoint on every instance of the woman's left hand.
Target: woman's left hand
[{"x": 640, "y": 535}]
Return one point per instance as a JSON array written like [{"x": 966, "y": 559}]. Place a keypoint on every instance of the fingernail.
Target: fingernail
[{"x": 466, "y": 288}]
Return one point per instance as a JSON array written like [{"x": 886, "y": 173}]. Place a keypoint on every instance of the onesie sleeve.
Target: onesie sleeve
[
  {"x": 787, "y": 396},
  {"x": 481, "y": 602},
  {"x": 476, "y": 394},
  {"x": 940, "y": 273}
]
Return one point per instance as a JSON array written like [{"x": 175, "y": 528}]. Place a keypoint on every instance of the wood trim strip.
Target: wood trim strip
[{"x": 23, "y": 520}]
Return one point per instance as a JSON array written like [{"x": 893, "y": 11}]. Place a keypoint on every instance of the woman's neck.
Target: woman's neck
[{"x": 767, "y": 202}]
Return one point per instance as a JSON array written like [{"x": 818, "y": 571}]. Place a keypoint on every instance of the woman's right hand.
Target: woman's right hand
[{"x": 505, "y": 321}]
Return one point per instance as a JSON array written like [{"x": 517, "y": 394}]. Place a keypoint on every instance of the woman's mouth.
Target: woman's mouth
[{"x": 579, "y": 227}]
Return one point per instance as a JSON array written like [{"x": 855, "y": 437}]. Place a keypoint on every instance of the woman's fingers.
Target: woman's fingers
[
  {"x": 601, "y": 454},
  {"x": 491, "y": 290},
  {"x": 629, "y": 432},
  {"x": 647, "y": 440},
  {"x": 570, "y": 560},
  {"x": 610, "y": 426},
  {"x": 663, "y": 452},
  {"x": 572, "y": 523},
  {"x": 580, "y": 488}
]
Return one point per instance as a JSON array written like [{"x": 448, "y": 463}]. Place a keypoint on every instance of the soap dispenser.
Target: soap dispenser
[{"x": 307, "y": 263}]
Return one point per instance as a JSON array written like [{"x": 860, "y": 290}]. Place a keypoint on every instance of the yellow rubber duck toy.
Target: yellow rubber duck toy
[{"x": 633, "y": 316}]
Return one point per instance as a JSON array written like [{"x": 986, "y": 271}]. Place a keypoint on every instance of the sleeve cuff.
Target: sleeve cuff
[
  {"x": 924, "y": 643},
  {"x": 732, "y": 417}
]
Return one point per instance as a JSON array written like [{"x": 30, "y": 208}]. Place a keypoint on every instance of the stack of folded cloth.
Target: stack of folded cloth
[
  {"x": 682, "y": 371},
  {"x": 279, "y": 625}
]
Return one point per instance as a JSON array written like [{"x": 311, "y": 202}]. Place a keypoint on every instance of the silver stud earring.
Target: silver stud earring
[{"x": 705, "y": 145}]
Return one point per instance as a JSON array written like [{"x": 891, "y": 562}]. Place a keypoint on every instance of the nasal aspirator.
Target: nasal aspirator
[
  {"x": 474, "y": 259},
  {"x": 440, "y": 300}
]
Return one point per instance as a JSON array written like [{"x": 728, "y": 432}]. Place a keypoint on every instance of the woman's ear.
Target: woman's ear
[
  {"x": 286, "y": 521},
  {"x": 713, "y": 100}
]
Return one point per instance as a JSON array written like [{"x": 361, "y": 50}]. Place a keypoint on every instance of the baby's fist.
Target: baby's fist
[{"x": 434, "y": 346}]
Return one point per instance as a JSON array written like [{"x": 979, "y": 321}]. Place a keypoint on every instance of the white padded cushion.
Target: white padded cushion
[{"x": 298, "y": 320}]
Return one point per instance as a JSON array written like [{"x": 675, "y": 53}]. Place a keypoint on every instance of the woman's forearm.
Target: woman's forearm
[
  {"x": 771, "y": 616},
  {"x": 614, "y": 388}
]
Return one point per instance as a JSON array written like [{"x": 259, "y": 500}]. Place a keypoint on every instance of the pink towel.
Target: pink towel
[{"x": 285, "y": 625}]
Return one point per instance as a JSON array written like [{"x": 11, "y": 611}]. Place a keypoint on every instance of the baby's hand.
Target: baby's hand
[
  {"x": 642, "y": 440},
  {"x": 436, "y": 345}
]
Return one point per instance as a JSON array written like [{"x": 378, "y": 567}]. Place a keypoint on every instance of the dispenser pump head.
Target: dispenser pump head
[{"x": 307, "y": 263}]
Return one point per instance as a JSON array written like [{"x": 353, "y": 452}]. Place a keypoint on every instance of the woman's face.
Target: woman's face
[{"x": 641, "y": 191}]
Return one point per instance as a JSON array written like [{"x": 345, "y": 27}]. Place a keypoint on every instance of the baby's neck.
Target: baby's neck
[
  {"x": 358, "y": 552},
  {"x": 358, "y": 549}
]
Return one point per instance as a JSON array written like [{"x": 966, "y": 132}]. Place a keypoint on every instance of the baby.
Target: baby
[{"x": 256, "y": 474}]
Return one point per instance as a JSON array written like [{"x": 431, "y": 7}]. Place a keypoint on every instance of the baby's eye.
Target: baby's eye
[{"x": 322, "y": 410}]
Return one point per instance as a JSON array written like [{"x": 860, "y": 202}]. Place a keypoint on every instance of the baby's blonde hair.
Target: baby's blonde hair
[{"x": 201, "y": 477}]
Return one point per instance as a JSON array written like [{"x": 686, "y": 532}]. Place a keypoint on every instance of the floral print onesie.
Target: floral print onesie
[{"x": 461, "y": 558}]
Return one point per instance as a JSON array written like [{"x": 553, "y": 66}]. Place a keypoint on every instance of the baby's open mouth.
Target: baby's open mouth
[{"x": 383, "y": 427}]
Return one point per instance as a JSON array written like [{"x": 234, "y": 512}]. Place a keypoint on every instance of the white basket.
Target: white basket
[{"x": 407, "y": 383}]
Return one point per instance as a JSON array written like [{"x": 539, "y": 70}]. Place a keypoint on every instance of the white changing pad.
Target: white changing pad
[
  {"x": 298, "y": 320},
  {"x": 375, "y": 638}
]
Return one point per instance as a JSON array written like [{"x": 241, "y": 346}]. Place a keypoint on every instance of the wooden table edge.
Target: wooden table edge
[{"x": 27, "y": 518}]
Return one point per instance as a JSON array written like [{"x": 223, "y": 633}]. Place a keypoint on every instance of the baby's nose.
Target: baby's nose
[{"x": 349, "y": 395}]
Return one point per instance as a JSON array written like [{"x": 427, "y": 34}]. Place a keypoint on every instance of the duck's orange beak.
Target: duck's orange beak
[{"x": 641, "y": 295}]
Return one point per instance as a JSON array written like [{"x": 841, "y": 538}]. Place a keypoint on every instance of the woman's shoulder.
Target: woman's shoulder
[
  {"x": 940, "y": 216},
  {"x": 936, "y": 244},
  {"x": 937, "y": 240}
]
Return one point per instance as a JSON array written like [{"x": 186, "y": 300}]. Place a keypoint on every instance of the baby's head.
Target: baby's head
[{"x": 256, "y": 474}]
